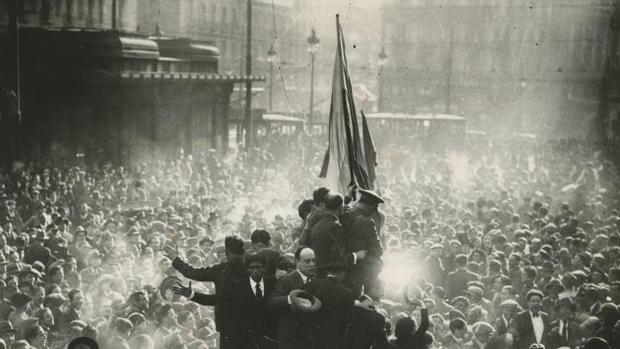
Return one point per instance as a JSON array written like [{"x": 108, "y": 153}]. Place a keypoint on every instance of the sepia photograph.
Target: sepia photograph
[{"x": 309, "y": 174}]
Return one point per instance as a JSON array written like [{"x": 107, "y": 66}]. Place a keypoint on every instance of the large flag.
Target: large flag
[
  {"x": 370, "y": 153},
  {"x": 344, "y": 164}
]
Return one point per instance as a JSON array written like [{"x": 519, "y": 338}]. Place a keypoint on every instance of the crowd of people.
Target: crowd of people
[{"x": 496, "y": 246}]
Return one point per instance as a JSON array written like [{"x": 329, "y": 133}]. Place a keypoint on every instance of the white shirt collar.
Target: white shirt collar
[
  {"x": 304, "y": 278},
  {"x": 539, "y": 326},
  {"x": 254, "y": 283}
]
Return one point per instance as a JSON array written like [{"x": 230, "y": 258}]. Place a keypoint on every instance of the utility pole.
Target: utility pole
[
  {"x": 249, "y": 129},
  {"x": 449, "y": 77}
]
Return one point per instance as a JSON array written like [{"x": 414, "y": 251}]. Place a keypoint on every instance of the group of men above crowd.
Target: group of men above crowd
[{"x": 511, "y": 248}]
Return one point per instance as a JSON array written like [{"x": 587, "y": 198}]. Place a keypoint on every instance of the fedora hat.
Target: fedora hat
[
  {"x": 165, "y": 288},
  {"x": 304, "y": 302}
]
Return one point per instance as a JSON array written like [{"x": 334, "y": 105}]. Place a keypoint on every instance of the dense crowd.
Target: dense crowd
[{"x": 498, "y": 246}]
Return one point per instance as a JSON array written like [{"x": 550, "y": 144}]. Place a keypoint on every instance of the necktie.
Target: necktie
[
  {"x": 259, "y": 292},
  {"x": 565, "y": 330}
]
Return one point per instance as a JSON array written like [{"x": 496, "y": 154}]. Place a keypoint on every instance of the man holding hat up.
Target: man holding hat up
[{"x": 362, "y": 234}]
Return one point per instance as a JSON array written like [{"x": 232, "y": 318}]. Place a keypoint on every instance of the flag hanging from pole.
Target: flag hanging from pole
[
  {"x": 344, "y": 164},
  {"x": 370, "y": 153}
]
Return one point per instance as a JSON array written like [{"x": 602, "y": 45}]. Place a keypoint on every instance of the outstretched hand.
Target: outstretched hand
[
  {"x": 181, "y": 290},
  {"x": 171, "y": 252}
]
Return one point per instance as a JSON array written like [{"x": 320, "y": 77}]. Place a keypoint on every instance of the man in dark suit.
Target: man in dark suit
[
  {"x": 458, "y": 330},
  {"x": 37, "y": 251},
  {"x": 221, "y": 275},
  {"x": 508, "y": 309},
  {"x": 261, "y": 244},
  {"x": 330, "y": 323},
  {"x": 290, "y": 329},
  {"x": 74, "y": 312},
  {"x": 368, "y": 328},
  {"x": 327, "y": 236},
  {"x": 532, "y": 325},
  {"x": 457, "y": 280},
  {"x": 482, "y": 336},
  {"x": 565, "y": 331},
  {"x": 249, "y": 325},
  {"x": 362, "y": 234}
]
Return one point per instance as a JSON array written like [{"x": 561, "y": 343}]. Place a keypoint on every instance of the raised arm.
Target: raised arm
[
  {"x": 424, "y": 323},
  {"x": 209, "y": 273}
]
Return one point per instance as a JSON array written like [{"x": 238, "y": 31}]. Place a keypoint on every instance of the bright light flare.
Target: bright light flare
[
  {"x": 398, "y": 271},
  {"x": 461, "y": 173}
]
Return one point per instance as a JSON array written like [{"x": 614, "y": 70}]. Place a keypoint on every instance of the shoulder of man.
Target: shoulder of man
[{"x": 290, "y": 276}]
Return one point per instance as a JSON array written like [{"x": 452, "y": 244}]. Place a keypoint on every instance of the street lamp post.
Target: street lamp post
[
  {"x": 249, "y": 123},
  {"x": 313, "y": 46},
  {"x": 382, "y": 60},
  {"x": 271, "y": 58}
]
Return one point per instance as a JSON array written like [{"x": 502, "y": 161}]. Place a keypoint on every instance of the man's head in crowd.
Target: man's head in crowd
[
  {"x": 509, "y": 308},
  {"x": 369, "y": 199},
  {"x": 483, "y": 332},
  {"x": 565, "y": 309},
  {"x": 458, "y": 328},
  {"x": 255, "y": 265},
  {"x": 139, "y": 300},
  {"x": 166, "y": 316},
  {"x": 460, "y": 261},
  {"x": 76, "y": 299},
  {"x": 334, "y": 203},
  {"x": 122, "y": 327},
  {"x": 260, "y": 239},
  {"x": 534, "y": 301},
  {"x": 318, "y": 197},
  {"x": 36, "y": 336},
  {"x": 46, "y": 317},
  {"x": 234, "y": 247},
  {"x": 305, "y": 260}
]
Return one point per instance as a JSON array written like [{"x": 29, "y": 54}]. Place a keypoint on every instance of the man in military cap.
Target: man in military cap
[{"x": 362, "y": 234}]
